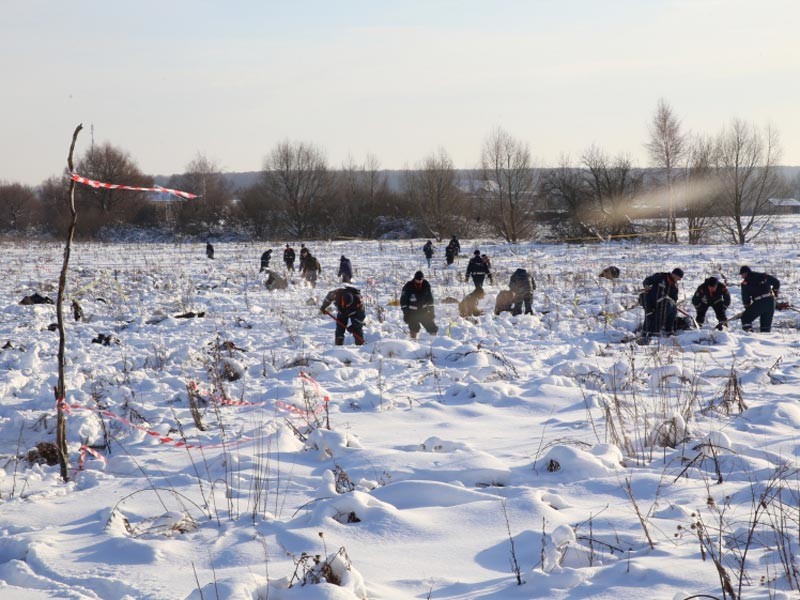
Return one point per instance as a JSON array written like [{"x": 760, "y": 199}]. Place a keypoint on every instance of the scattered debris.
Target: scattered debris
[
  {"x": 191, "y": 315},
  {"x": 35, "y": 298},
  {"x": 43, "y": 453},
  {"x": 106, "y": 340}
]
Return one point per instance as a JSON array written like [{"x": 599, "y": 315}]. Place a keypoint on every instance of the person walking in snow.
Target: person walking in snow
[
  {"x": 455, "y": 245},
  {"x": 349, "y": 307},
  {"x": 427, "y": 249},
  {"x": 478, "y": 270},
  {"x": 416, "y": 302},
  {"x": 660, "y": 301},
  {"x": 209, "y": 250},
  {"x": 345, "y": 269},
  {"x": 449, "y": 254},
  {"x": 759, "y": 291},
  {"x": 288, "y": 257},
  {"x": 711, "y": 293},
  {"x": 309, "y": 267},
  {"x": 265, "y": 258}
]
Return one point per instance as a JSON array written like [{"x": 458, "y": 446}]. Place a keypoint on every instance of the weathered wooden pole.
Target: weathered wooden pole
[{"x": 61, "y": 393}]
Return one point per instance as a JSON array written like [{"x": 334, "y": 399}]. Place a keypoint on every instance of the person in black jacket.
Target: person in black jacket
[
  {"x": 209, "y": 250},
  {"x": 288, "y": 257},
  {"x": 522, "y": 285},
  {"x": 350, "y": 307},
  {"x": 416, "y": 302},
  {"x": 660, "y": 300},
  {"x": 759, "y": 291},
  {"x": 303, "y": 256},
  {"x": 711, "y": 293},
  {"x": 265, "y": 258},
  {"x": 456, "y": 245},
  {"x": 478, "y": 269},
  {"x": 345, "y": 269},
  {"x": 427, "y": 249},
  {"x": 449, "y": 254}
]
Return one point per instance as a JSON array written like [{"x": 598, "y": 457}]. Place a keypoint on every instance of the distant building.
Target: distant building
[{"x": 785, "y": 206}]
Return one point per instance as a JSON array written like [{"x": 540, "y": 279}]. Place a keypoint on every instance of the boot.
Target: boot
[{"x": 413, "y": 335}]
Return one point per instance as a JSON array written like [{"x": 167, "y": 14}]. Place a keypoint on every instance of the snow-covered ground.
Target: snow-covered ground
[{"x": 542, "y": 449}]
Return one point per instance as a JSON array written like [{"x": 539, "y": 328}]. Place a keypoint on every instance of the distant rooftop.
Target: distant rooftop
[{"x": 785, "y": 202}]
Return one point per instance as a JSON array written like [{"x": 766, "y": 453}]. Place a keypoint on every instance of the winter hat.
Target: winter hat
[
  {"x": 419, "y": 275},
  {"x": 477, "y": 253},
  {"x": 678, "y": 272},
  {"x": 342, "y": 257},
  {"x": 712, "y": 281},
  {"x": 745, "y": 269}
]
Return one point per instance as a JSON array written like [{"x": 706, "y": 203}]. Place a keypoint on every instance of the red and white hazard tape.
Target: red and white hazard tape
[
  {"x": 296, "y": 411},
  {"x": 219, "y": 399},
  {"x": 164, "y": 439},
  {"x": 317, "y": 387},
  {"x": 113, "y": 186},
  {"x": 82, "y": 459},
  {"x": 63, "y": 405}
]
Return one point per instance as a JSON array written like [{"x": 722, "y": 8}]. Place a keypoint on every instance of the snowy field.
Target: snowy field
[{"x": 511, "y": 457}]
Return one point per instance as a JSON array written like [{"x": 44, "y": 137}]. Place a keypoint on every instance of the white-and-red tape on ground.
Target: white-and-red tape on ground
[{"x": 63, "y": 405}]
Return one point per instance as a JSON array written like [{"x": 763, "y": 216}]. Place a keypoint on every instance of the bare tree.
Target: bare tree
[
  {"x": 55, "y": 214},
  {"x": 296, "y": 177},
  {"x": 506, "y": 164},
  {"x": 701, "y": 187},
  {"x": 746, "y": 162},
  {"x": 432, "y": 186},
  {"x": 565, "y": 190},
  {"x": 112, "y": 165},
  {"x": 258, "y": 211},
  {"x": 362, "y": 191},
  {"x": 214, "y": 206},
  {"x": 667, "y": 146},
  {"x": 19, "y": 206},
  {"x": 612, "y": 185}
]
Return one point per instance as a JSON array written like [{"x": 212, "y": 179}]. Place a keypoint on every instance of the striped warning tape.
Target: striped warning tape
[
  {"x": 64, "y": 406},
  {"x": 113, "y": 186},
  {"x": 317, "y": 387}
]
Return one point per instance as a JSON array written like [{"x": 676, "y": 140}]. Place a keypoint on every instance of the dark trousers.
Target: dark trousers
[
  {"x": 477, "y": 279},
  {"x": 421, "y": 318},
  {"x": 289, "y": 265},
  {"x": 719, "y": 311},
  {"x": 356, "y": 328},
  {"x": 660, "y": 316},
  {"x": 764, "y": 309},
  {"x": 519, "y": 300}
]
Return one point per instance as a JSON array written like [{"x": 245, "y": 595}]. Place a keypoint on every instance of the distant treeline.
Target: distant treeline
[{"x": 729, "y": 182}]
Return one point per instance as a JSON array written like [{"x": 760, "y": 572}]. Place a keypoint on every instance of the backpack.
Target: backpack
[{"x": 520, "y": 280}]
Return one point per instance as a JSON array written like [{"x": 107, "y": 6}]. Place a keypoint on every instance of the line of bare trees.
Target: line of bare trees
[{"x": 723, "y": 182}]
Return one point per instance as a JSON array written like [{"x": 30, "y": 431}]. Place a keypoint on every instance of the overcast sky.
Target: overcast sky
[{"x": 167, "y": 80}]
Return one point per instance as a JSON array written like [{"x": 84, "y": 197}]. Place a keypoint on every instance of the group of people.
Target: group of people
[
  {"x": 416, "y": 304},
  {"x": 659, "y": 296},
  {"x": 660, "y": 301}
]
